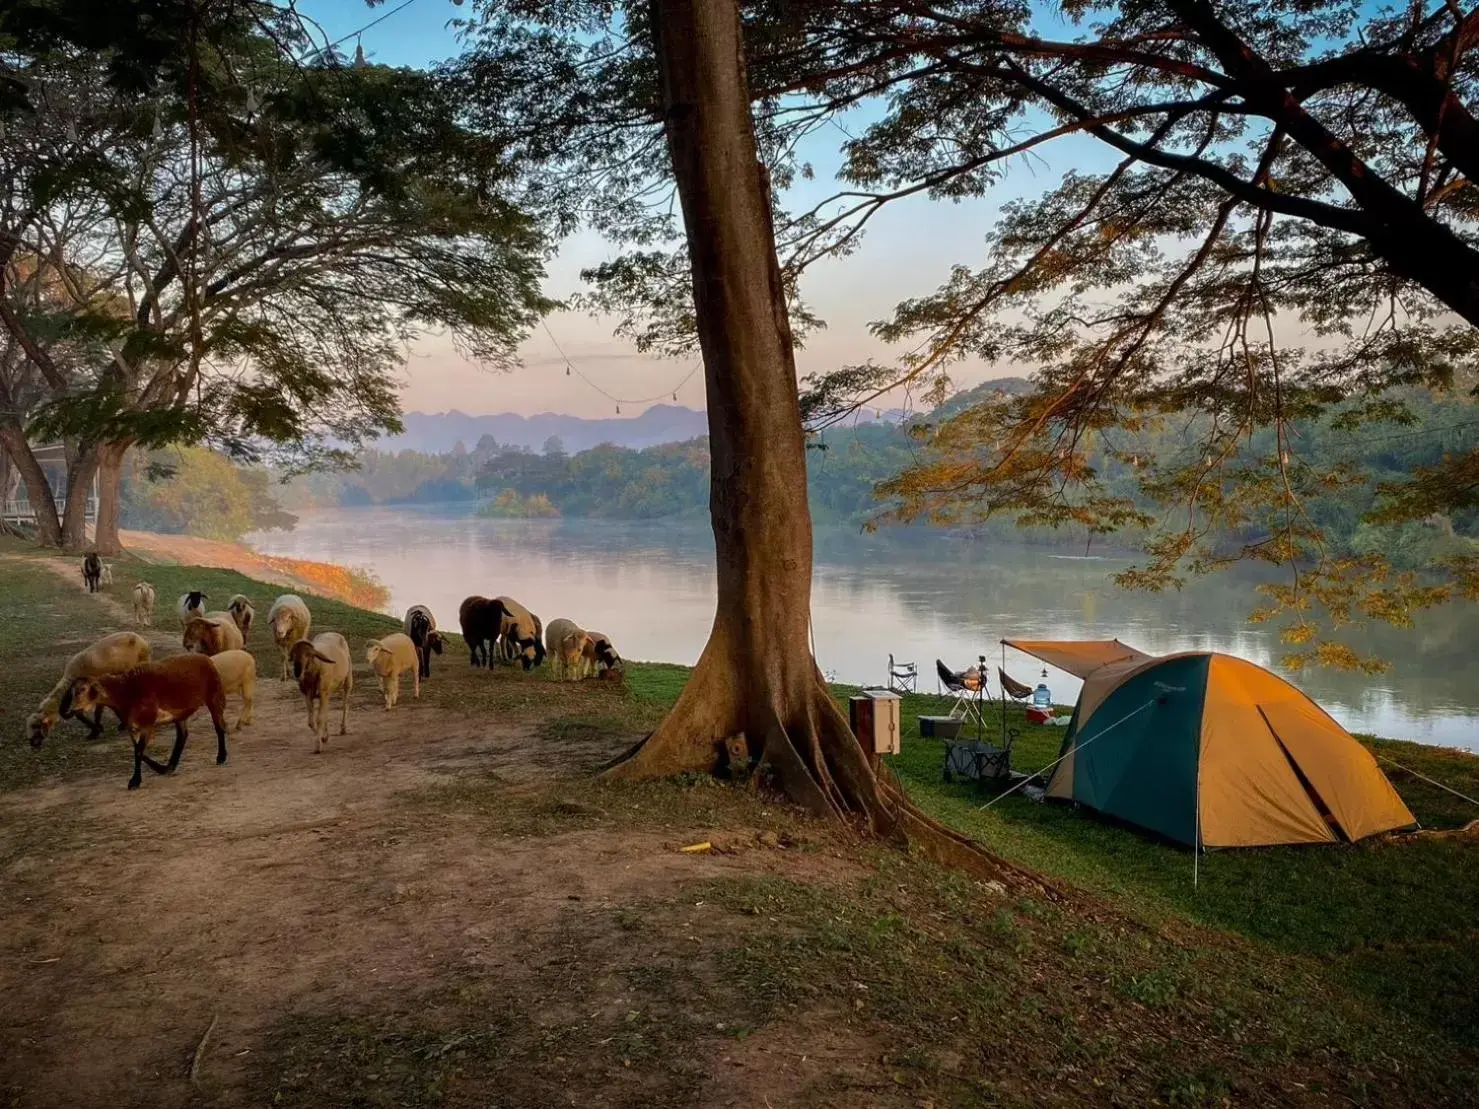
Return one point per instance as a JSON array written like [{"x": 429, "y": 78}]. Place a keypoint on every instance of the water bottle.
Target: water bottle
[{"x": 1042, "y": 696}]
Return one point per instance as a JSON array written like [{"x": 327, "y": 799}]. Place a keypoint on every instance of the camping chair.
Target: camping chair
[
  {"x": 1012, "y": 687},
  {"x": 903, "y": 677},
  {"x": 966, "y": 687}
]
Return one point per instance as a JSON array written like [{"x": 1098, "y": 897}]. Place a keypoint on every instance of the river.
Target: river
[{"x": 919, "y": 594}]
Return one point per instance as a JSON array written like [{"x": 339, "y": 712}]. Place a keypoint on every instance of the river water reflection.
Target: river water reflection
[{"x": 918, "y": 594}]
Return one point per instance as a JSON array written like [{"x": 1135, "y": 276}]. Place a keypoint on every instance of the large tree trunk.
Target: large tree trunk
[
  {"x": 110, "y": 489},
  {"x": 756, "y": 683},
  {"x": 38, "y": 490},
  {"x": 82, "y": 464}
]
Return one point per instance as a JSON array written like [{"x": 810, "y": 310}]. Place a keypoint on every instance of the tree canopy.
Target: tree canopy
[
  {"x": 1287, "y": 224},
  {"x": 247, "y": 229}
]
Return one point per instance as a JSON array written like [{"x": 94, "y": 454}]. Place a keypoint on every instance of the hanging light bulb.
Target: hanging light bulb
[
  {"x": 71, "y": 131},
  {"x": 567, "y": 369},
  {"x": 618, "y": 410},
  {"x": 2, "y": 129},
  {"x": 251, "y": 101},
  {"x": 675, "y": 398},
  {"x": 359, "y": 56},
  {"x": 158, "y": 131}
]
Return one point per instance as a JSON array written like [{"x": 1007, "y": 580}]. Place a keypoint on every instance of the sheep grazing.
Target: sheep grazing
[
  {"x": 242, "y": 614},
  {"x": 482, "y": 624},
  {"x": 92, "y": 572},
  {"x": 568, "y": 646},
  {"x": 390, "y": 658},
  {"x": 107, "y": 575},
  {"x": 602, "y": 653},
  {"x": 110, "y": 655},
  {"x": 289, "y": 620},
  {"x": 166, "y": 692},
  {"x": 191, "y": 604},
  {"x": 238, "y": 672},
  {"x": 421, "y": 626},
  {"x": 212, "y": 634},
  {"x": 522, "y": 633},
  {"x": 322, "y": 665},
  {"x": 144, "y": 604}
]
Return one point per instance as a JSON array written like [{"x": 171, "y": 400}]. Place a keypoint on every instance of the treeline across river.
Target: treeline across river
[{"x": 847, "y": 463}]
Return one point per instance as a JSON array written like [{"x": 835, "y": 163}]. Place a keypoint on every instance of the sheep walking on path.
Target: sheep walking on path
[
  {"x": 110, "y": 655},
  {"x": 144, "y": 604},
  {"x": 289, "y": 620},
  {"x": 322, "y": 666},
  {"x": 390, "y": 658},
  {"x": 238, "y": 670}
]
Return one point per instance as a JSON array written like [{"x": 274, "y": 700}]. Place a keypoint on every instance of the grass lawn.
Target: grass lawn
[{"x": 1309, "y": 976}]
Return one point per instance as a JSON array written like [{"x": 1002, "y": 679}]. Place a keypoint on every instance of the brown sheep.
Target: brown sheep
[
  {"x": 322, "y": 666},
  {"x": 166, "y": 692},
  {"x": 390, "y": 658},
  {"x": 210, "y": 635}
]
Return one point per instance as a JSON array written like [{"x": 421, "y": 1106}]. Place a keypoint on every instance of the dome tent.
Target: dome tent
[{"x": 1214, "y": 751}]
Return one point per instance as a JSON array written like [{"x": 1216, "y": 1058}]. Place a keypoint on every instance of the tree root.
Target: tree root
[{"x": 809, "y": 753}]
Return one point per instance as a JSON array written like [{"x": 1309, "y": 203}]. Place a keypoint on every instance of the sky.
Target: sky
[{"x": 907, "y": 251}]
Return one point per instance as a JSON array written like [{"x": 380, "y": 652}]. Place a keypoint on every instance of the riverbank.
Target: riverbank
[
  {"x": 351, "y": 585},
  {"x": 447, "y": 908}
]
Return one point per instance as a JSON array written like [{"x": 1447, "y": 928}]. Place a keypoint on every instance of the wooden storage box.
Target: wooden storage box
[{"x": 874, "y": 716}]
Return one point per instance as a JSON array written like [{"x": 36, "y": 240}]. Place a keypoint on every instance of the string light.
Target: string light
[
  {"x": 158, "y": 131},
  {"x": 359, "y": 56},
  {"x": 71, "y": 131},
  {"x": 572, "y": 368},
  {"x": 251, "y": 101}
]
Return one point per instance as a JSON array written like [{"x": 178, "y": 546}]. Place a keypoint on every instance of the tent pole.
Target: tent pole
[
  {"x": 1196, "y": 836},
  {"x": 1003, "y": 695}
]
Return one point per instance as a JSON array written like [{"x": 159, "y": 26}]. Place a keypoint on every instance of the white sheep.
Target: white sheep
[
  {"x": 289, "y": 620},
  {"x": 568, "y": 646},
  {"x": 144, "y": 604},
  {"x": 107, "y": 575},
  {"x": 238, "y": 672},
  {"x": 390, "y": 658},
  {"x": 322, "y": 665},
  {"x": 242, "y": 613},
  {"x": 191, "y": 604},
  {"x": 110, "y": 655}
]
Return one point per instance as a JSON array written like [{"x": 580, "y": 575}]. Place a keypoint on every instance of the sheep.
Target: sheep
[
  {"x": 289, "y": 620},
  {"x": 390, "y": 658},
  {"x": 522, "y": 633},
  {"x": 238, "y": 670},
  {"x": 144, "y": 604},
  {"x": 421, "y": 626},
  {"x": 212, "y": 634},
  {"x": 107, "y": 576},
  {"x": 568, "y": 646},
  {"x": 242, "y": 614},
  {"x": 602, "y": 653},
  {"x": 321, "y": 666},
  {"x": 110, "y": 655},
  {"x": 482, "y": 623},
  {"x": 166, "y": 692},
  {"x": 92, "y": 572},
  {"x": 191, "y": 604}
]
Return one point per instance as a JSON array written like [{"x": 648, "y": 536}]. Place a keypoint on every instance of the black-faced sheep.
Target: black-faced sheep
[
  {"x": 602, "y": 653},
  {"x": 522, "y": 633},
  {"x": 210, "y": 635},
  {"x": 421, "y": 626},
  {"x": 242, "y": 614},
  {"x": 110, "y": 655},
  {"x": 289, "y": 620},
  {"x": 166, "y": 692},
  {"x": 92, "y": 572},
  {"x": 482, "y": 623},
  {"x": 322, "y": 666},
  {"x": 144, "y": 604},
  {"x": 191, "y": 604},
  {"x": 390, "y": 658},
  {"x": 238, "y": 670}
]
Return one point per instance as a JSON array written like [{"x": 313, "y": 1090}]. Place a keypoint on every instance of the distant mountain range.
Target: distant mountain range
[{"x": 438, "y": 432}]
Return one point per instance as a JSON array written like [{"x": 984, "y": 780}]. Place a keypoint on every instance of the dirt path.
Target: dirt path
[{"x": 287, "y": 884}]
